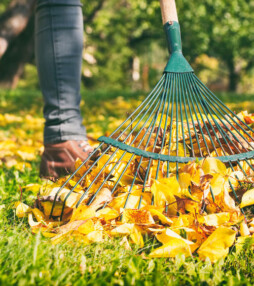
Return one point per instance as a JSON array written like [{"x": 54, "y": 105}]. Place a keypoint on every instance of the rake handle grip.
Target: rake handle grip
[{"x": 168, "y": 11}]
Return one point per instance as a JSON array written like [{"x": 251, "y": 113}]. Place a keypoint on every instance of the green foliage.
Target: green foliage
[
  {"x": 3, "y": 5},
  {"x": 127, "y": 28},
  {"x": 116, "y": 31},
  {"x": 120, "y": 30},
  {"x": 220, "y": 29},
  {"x": 29, "y": 78}
]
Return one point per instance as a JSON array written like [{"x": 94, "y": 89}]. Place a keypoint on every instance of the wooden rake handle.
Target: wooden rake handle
[{"x": 168, "y": 11}]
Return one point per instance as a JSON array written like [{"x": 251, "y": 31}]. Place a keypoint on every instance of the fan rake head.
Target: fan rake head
[{"x": 180, "y": 121}]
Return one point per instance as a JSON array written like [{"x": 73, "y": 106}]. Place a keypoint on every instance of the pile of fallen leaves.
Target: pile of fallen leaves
[{"x": 196, "y": 209}]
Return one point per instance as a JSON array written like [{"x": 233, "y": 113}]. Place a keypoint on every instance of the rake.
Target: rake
[{"x": 180, "y": 121}]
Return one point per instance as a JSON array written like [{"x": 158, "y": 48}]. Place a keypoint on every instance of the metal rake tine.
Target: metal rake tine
[
  {"x": 67, "y": 196},
  {"x": 141, "y": 158},
  {"x": 155, "y": 142},
  {"x": 190, "y": 111},
  {"x": 249, "y": 165},
  {"x": 223, "y": 123},
  {"x": 141, "y": 141},
  {"x": 196, "y": 115},
  {"x": 161, "y": 80},
  {"x": 172, "y": 114},
  {"x": 222, "y": 106},
  {"x": 222, "y": 132},
  {"x": 211, "y": 125},
  {"x": 186, "y": 115},
  {"x": 181, "y": 115},
  {"x": 80, "y": 200},
  {"x": 166, "y": 122},
  {"x": 72, "y": 175},
  {"x": 125, "y": 153},
  {"x": 156, "y": 94},
  {"x": 110, "y": 159}
]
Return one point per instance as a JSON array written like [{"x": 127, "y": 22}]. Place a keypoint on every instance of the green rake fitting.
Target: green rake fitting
[{"x": 180, "y": 121}]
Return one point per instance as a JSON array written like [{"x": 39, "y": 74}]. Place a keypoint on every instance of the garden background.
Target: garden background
[{"x": 124, "y": 56}]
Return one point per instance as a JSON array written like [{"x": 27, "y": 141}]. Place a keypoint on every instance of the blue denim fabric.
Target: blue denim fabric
[{"x": 58, "y": 49}]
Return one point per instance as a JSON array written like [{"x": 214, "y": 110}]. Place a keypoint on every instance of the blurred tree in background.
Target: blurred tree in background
[{"x": 124, "y": 42}]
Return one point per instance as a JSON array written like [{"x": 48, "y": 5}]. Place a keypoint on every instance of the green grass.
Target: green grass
[{"x": 27, "y": 259}]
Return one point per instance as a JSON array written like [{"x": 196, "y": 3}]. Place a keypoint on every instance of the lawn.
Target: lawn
[{"x": 29, "y": 259}]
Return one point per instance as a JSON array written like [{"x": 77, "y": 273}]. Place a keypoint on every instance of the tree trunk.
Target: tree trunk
[
  {"x": 16, "y": 41},
  {"x": 20, "y": 52},
  {"x": 145, "y": 77},
  {"x": 13, "y": 21},
  {"x": 233, "y": 81},
  {"x": 234, "y": 76}
]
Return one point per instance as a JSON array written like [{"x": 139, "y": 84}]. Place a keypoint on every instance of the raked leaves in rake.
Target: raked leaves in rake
[{"x": 180, "y": 121}]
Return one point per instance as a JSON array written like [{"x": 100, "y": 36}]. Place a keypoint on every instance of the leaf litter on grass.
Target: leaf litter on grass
[{"x": 180, "y": 212}]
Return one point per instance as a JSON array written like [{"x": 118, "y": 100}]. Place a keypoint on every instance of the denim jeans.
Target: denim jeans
[{"x": 58, "y": 49}]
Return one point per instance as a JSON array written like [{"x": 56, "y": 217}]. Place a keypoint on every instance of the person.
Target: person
[{"x": 58, "y": 51}]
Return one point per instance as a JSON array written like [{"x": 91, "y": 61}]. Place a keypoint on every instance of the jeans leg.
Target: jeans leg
[{"x": 58, "y": 48}]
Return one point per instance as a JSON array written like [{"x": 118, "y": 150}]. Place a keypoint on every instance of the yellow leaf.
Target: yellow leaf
[
  {"x": 47, "y": 206},
  {"x": 244, "y": 230},
  {"x": 86, "y": 227},
  {"x": 247, "y": 198},
  {"x": 133, "y": 200},
  {"x": 137, "y": 216},
  {"x": 217, "y": 183},
  {"x": 48, "y": 234},
  {"x": 174, "y": 247},
  {"x": 194, "y": 236},
  {"x": 159, "y": 216},
  {"x": 233, "y": 180},
  {"x": 251, "y": 223},
  {"x": 95, "y": 236},
  {"x": 217, "y": 244},
  {"x": 167, "y": 234},
  {"x": 107, "y": 213},
  {"x": 213, "y": 166},
  {"x": 26, "y": 153},
  {"x": 38, "y": 215},
  {"x": 83, "y": 213},
  {"x": 183, "y": 221},
  {"x": 21, "y": 166},
  {"x": 72, "y": 199},
  {"x": 185, "y": 180},
  {"x": 215, "y": 219},
  {"x": 164, "y": 191},
  {"x": 137, "y": 237},
  {"x": 120, "y": 167},
  {"x": 126, "y": 228},
  {"x": 54, "y": 224},
  {"x": 31, "y": 222},
  {"x": 82, "y": 169},
  {"x": 66, "y": 229},
  {"x": 51, "y": 189},
  {"x": 35, "y": 188},
  {"x": 125, "y": 243},
  {"x": 22, "y": 209},
  {"x": 10, "y": 162},
  {"x": 58, "y": 238}
]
